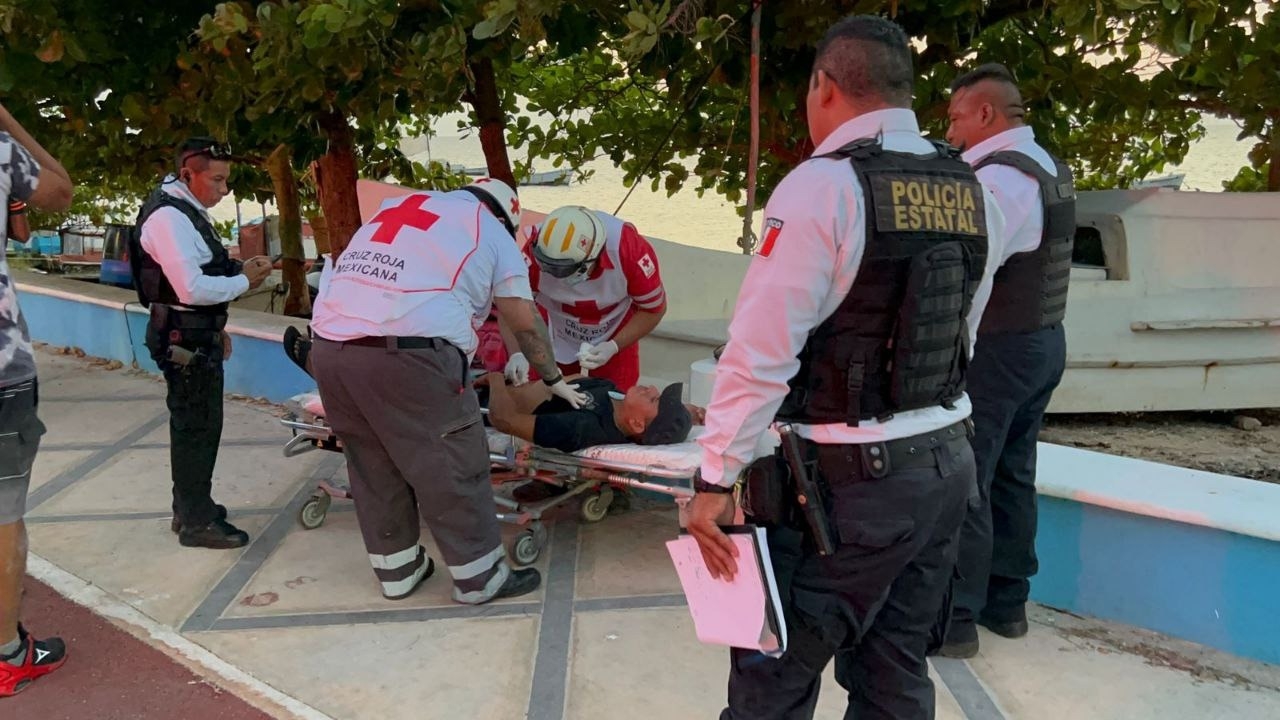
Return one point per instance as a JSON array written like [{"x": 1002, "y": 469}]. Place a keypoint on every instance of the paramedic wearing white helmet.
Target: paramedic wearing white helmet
[
  {"x": 852, "y": 330},
  {"x": 596, "y": 278},
  {"x": 394, "y": 327}
]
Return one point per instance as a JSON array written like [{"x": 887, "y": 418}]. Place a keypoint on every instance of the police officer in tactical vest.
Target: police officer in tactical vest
[
  {"x": 186, "y": 277},
  {"x": 852, "y": 335},
  {"x": 1020, "y": 354}
]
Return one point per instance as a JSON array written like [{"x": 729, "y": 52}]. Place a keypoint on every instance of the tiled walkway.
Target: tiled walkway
[{"x": 607, "y": 636}]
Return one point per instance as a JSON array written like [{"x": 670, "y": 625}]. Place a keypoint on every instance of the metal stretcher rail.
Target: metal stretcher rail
[
  {"x": 555, "y": 456},
  {"x": 587, "y": 481}
]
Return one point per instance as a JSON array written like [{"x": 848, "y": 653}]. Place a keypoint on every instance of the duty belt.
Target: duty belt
[
  {"x": 881, "y": 458},
  {"x": 185, "y": 319},
  {"x": 392, "y": 342}
]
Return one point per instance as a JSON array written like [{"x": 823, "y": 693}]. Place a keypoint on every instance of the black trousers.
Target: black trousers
[
  {"x": 195, "y": 431},
  {"x": 872, "y": 604},
  {"x": 1010, "y": 382}
]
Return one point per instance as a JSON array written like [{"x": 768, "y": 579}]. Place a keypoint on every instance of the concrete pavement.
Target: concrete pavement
[{"x": 607, "y": 636}]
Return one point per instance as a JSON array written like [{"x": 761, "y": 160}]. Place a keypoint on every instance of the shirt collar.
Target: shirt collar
[
  {"x": 870, "y": 125},
  {"x": 1000, "y": 141},
  {"x": 177, "y": 188}
]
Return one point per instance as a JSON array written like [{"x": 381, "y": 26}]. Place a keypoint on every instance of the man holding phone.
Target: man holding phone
[{"x": 187, "y": 278}]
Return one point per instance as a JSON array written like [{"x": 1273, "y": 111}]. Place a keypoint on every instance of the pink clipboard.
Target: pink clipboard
[{"x": 745, "y": 613}]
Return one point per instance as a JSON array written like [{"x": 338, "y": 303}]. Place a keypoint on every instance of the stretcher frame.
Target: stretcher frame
[{"x": 590, "y": 483}]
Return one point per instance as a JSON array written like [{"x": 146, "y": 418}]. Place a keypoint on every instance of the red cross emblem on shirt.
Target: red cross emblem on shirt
[
  {"x": 409, "y": 213},
  {"x": 586, "y": 311}
]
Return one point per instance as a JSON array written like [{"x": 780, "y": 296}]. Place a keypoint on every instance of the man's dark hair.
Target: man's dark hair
[
  {"x": 196, "y": 152},
  {"x": 988, "y": 71},
  {"x": 867, "y": 56}
]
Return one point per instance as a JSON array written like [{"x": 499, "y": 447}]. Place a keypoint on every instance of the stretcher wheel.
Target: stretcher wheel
[
  {"x": 313, "y": 511},
  {"x": 527, "y": 547},
  {"x": 596, "y": 505}
]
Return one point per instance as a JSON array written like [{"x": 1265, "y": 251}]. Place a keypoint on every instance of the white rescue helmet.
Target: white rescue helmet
[
  {"x": 569, "y": 241},
  {"x": 500, "y": 198}
]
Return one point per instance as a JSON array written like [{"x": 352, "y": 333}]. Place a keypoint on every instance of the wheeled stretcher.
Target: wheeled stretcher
[{"x": 589, "y": 476}]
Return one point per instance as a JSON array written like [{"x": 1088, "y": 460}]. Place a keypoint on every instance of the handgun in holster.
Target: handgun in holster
[
  {"x": 807, "y": 493},
  {"x": 165, "y": 340},
  {"x": 185, "y": 358}
]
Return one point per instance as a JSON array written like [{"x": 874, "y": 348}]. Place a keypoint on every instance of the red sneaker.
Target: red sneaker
[{"x": 42, "y": 658}]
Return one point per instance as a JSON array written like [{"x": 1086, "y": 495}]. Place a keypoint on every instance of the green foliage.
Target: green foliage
[
  {"x": 1249, "y": 179},
  {"x": 133, "y": 78},
  {"x": 95, "y": 81},
  {"x": 1228, "y": 68},
  {"x": 1094, "y": 95},
  {"x": 110, "y": 86},
  {"x": 279, "y": 66}
]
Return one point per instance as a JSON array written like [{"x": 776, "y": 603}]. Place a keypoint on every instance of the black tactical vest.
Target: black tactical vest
[
  {"x": 148, "y": 277},
  {"x": 1030, "y": 290},
  {"x": 899, "y": 340}
]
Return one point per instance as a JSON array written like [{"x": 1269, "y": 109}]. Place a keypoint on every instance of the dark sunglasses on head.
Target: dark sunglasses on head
[{"x": 215, "y": 151}]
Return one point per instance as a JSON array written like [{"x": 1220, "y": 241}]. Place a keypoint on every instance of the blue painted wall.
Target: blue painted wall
[
  {"x": 1210, "y": 586},
  {"x": 258, "y": 368}
]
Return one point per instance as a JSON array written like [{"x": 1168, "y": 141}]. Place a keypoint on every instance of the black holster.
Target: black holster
[
  {"x": 184, "y": 339},
  {"x": 767, "y": 497}
]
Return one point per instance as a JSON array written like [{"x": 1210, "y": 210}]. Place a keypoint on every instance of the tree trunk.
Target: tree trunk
[
  {"x": 487, "y": 109},
  {"x": 1273, "y": 172},
  {"x": 321, "y": 232},
  {"x": 280, "y": 167},
  {"x": 336, "y": 178}
]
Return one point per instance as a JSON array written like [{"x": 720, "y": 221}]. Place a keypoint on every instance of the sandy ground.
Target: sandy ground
[{"x": 1209, "y": 441}]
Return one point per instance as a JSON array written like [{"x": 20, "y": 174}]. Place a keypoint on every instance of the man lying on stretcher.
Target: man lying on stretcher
[{"x": 642, "y": 415}]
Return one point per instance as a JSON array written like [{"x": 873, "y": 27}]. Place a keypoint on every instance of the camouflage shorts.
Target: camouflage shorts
[{"x": 20, "y": 432}]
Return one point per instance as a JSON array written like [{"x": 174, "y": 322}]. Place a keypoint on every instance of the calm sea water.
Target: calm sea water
[{"x": 710, "y": 221}]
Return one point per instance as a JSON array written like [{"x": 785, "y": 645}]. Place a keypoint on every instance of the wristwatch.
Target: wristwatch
[
  {"x": 552, "y": 381},
  {"x": 700, "y": 485}
]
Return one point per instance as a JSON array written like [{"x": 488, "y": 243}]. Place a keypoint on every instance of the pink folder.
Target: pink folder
[{"x": 745, "y": 613}]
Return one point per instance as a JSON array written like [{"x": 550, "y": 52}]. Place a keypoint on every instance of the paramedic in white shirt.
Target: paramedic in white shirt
[
  {"x": 1020, "y": 356},
  {"x": 395, "y": 328},
  {"x": 854, "y": 324},
  {"x": 185, "y": 276}
]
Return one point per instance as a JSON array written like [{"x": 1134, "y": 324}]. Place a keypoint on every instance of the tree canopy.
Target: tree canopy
[
  {"x": 659, "y": 87},
  {"x": 1117, "y": 87}
]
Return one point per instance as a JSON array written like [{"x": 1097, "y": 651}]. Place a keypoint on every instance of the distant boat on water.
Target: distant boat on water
[
  {"x": 1172, "y": 182},
  {"x": 550, "y": 177}
]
